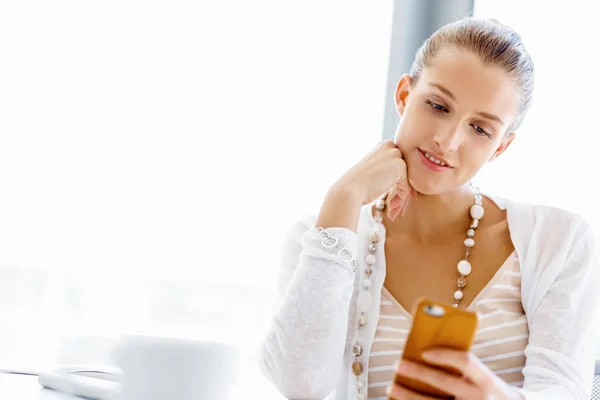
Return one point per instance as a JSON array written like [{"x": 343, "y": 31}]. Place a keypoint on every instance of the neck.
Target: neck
[{"x": 435, "y": 216}]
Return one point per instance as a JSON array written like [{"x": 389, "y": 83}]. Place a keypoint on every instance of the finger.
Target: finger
[
  {"x": 471, "y": 367},
  {"x": 392, "y": 203},
  {"x": 405, "y": 205},
  {"x": 404, "y": 190},
  {"x": 396, "y": 201},
  {"x": 393, "y": 213},
  {"x": 397, "y": 208},
  {"x": 399, "y": 201},
  {"x": 413, "y": 193},
  {"x": 439, "y": 379},
  {"x": 391, "y": 194},
  {"x": 399, "y": 392}
]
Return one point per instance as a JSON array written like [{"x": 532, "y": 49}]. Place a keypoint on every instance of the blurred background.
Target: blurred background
[{"x": 152, "y": 154}]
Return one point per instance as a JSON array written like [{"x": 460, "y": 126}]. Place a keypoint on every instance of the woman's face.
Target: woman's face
[{"x": 454, "y": 119}]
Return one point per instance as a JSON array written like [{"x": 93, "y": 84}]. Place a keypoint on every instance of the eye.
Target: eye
[
  {"x": 480, "y": 131},
  {"x": 437, "y": 107}
]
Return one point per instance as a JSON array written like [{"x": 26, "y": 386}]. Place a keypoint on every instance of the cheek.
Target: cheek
[
  {"x": 476, "y": 155},
  {"x": 414, "y": 126}
]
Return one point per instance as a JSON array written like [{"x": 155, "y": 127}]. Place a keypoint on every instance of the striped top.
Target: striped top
[{"x": 500, "y": 340}]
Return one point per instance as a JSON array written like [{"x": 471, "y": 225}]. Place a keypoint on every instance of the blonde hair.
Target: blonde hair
[{"x": 496, "y": 44}]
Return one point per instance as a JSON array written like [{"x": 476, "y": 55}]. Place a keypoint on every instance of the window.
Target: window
[{"x": 152, "y": 155}]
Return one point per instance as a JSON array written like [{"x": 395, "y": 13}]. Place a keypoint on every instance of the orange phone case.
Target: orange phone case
[{"x": 454, "y": 328}]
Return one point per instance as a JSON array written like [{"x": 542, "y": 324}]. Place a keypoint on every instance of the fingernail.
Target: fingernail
[
  {"x": 429, "y": 356},
  {"x": 389, "y": 391}
]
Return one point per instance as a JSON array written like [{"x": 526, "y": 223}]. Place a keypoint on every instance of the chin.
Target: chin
[
  {"x": 427, "y": 187},
  {"x": 431, "y": 183},
  {"x": 427, "y": 182}
]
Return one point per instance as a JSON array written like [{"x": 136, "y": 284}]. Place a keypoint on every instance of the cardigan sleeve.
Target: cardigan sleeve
[
  {"x": 561, "y": 350},
  {"x": 302, "y": 352}
]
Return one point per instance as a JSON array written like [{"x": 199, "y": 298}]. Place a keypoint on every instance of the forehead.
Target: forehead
[{"x": 475, "y": 86}]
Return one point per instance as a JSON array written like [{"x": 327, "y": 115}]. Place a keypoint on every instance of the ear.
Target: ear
[
  {"x": 402, "y": 91},
  {"x": 503, "y": 146}
]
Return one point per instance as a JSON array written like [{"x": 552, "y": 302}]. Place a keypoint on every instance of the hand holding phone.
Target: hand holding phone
[{"x": 436, "y": 325}]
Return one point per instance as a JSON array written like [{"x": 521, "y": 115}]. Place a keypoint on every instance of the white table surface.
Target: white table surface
[{"x": 26, "y": 387}]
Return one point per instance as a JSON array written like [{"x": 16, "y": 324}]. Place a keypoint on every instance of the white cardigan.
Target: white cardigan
[{"x": 307, "y": 352}]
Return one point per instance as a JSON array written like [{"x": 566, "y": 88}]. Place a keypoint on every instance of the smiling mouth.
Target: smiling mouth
[{"x": 434, "y": 160}]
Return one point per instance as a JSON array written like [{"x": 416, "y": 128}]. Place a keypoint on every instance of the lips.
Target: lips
[{"x": 435, "y": 158}]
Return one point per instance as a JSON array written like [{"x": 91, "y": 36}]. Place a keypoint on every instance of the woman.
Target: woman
[{"x": 528, "y": 271}]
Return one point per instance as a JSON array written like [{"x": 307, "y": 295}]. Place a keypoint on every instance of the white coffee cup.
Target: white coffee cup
[{"x": 159, "y": 368}]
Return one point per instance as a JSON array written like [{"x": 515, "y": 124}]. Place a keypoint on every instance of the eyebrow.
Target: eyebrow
[
  {"x": 483, "y": 114},
  {"x": 491, "y": 117},
  {"x": 443, "y": 90}
]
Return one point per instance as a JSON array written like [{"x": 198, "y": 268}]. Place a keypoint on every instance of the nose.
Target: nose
[{"x": 448, "y": 138}]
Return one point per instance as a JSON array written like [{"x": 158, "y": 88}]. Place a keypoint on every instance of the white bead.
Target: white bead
[
  {"x": 458, "y": 295},
  {"x": 476, "y": 211},
  {"x": 365, "y": 301},
  {"x": 360, "y": 384},
  {"x": 380, "y": 204},
  {"x": 464, "y": 267},
  {"x": 360, "y": 396},
  {"x": 374, "y": 237},
  {"x": 362, "y": 320},
  {"x": 367, "y": 283},
  {"x": 471, "y": 233},
  {"x": 475, "y": 223},
  {"x": 370, "y": 259},
  {"x": 469, "y": 242}
]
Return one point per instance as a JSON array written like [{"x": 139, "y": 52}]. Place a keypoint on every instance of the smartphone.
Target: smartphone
[{"x": 436, "y": 325}]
